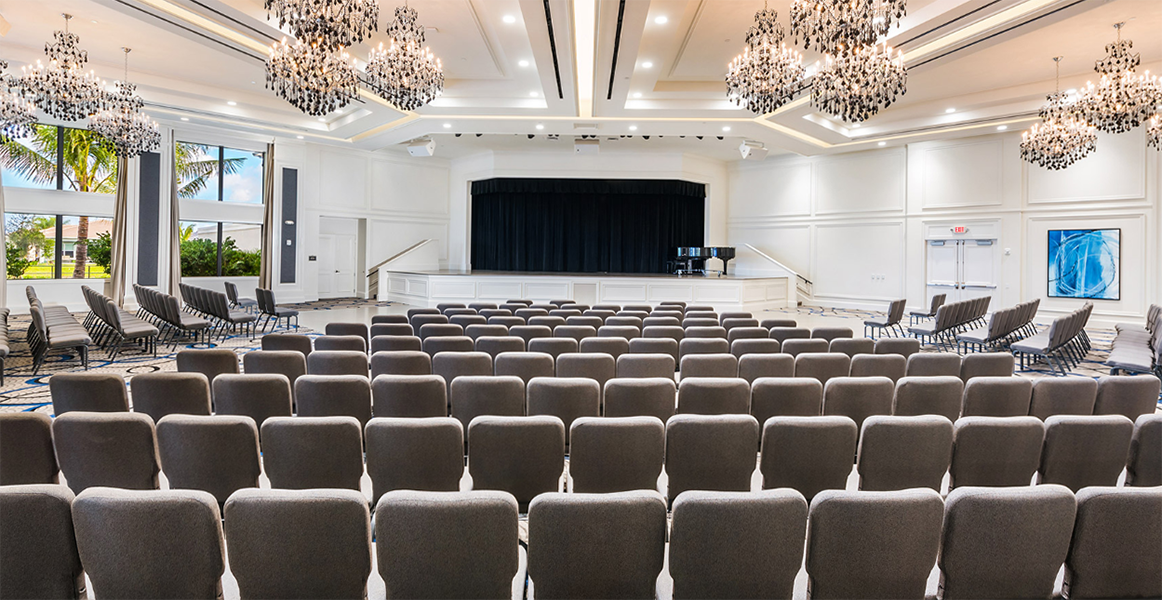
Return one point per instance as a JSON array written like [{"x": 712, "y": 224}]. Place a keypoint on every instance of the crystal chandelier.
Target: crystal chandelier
[
  {"x": 62, "y": 89},
  {"x": 405, "y": 74},
  {"x": 826, "y": 25},
  {"x": 17, "y": 113},
  {"x": 311, "y": 77},
  {"x": 1122, "y": 99},
  {"x": 767, "y": 73},
  {"x": 855, "y": 84},
  {"x": 1154, "y": 132},
  {"x": 1060, "y": 139},
  {"x": 122, "y": 123},
  {"x": 338, "y": 22}
]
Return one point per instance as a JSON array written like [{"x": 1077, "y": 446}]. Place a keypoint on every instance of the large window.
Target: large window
[
  {"x": 60, "y": 158},
  {"x": 219, "y": 249},
  {"x": 57, "y": 246},
  {"x": 219, "y": 173}
]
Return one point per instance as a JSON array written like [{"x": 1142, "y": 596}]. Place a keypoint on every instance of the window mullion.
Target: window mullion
[
  {"x": 60, "y": 157},
  {"x": 58, "y": 247}
]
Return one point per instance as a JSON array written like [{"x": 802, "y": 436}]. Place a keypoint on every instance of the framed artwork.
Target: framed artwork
[{"x": 1085, "y": 263}]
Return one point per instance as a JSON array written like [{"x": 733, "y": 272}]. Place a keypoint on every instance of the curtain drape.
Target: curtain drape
[
  {"x": 269, "y": 225},
  {"x": 175, "y": 224},
  {"x": 583, "y": 225},
  {"x": 117, "y": 236},
  {"x": 3, "y": 255}
]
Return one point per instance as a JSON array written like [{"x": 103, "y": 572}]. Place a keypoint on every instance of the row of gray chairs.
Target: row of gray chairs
[
  {"x": 1138, "y": 348},
  {"x": 1004, "y": 327},
  {"x": 1062, "y": 346},
  {"x": 110, "y": 326},
  {"x": 165, "y": 312},
  {"x": 950, "y": 319},
  {"x": 53, "y": 327}
]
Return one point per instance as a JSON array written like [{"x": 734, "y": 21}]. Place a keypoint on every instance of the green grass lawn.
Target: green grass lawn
[{"x": 45, "y": 271}]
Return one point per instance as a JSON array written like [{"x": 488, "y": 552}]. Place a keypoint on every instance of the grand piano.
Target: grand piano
[{"x": 691, "y": 260}]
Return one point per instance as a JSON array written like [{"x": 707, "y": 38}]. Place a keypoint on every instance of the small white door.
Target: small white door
[
  {"x": 943, "y": 268},
  {"x": 344, "y": 266},
  {"x": 326, "y": 266},
  {"x": 962, "y": 269}
]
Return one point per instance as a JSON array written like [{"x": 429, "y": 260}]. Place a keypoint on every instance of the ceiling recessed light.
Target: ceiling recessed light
[
  {"x": 447, "y": 125},
  {"x": 523, "y": 63},
  {"x": 637, "y": 95},
  {"x": 299, "y": 137},
  {"x": 533, "y": 94},
  {"x": 322, "y": 120},
  {"x": 662, "y": 20},
  {"x": 633, "y": 127},
  {"x": 727, "y": 128},
  {"x": 647, "y": 65},
  {"x": 510, "y": 19},
  {"x": 949, "y": 111},
  {"x": 882, "y": 144},
  {"x": 1002, "y": 127},
  {"x": 1071, "y": 91},
  {"x": 539, "y": 126},
  {"x": 185, "y": 118},
  {"x": 856, "y": 125},
  {"x": 231, "y": 103}
]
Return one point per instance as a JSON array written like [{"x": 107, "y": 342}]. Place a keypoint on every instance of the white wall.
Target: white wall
[{"x": 856, "y": 223}]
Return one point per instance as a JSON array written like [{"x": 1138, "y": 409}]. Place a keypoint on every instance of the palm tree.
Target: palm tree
[{"x": 195, "y": 166}]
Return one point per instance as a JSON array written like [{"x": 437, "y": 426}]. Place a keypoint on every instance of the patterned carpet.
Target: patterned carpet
[{"x": 23, "y": 391}]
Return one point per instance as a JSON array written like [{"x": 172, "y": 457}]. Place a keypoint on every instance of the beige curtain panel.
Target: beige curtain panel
[
  {"x": 269, "y": 224},
  {"x": 175, "y": 225},
  {"x": 117, "y": 237}
]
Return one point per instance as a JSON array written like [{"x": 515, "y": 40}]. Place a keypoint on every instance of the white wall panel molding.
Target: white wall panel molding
[
  {"x": 861, "y": 182},
  {"x": 1116, "y": 171},
  {"x": 859, "y": 260},
  {"x": 960, "y": 174}
]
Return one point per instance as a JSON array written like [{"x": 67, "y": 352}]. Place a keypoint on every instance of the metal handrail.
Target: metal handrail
[
  {"x": 779, "y": 264},
  {"x": 375, "y": 269}
]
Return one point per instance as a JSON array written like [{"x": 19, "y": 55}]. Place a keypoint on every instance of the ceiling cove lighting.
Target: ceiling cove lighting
[
  {"x": 406, "y": 74},
  {"x": 856, "y": 84},
  {"x": 540, "y": 126},
  {"x": 1060, "y": 139},
  {"x": 17, "y": 113},
  {"x": 633, "y": 127},
  {"x": 767, "y": 73},
  {"x": 131, "y": 132},
  {"x": 1122, "y": 99},
  {"x": 62, "y": 89}
]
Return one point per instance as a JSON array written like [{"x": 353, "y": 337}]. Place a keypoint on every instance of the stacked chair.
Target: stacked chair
[
  {"x": 216, "y": 307},
  {"x": 111, "y": 326},
  {"x": 165, "y": 312},
  {"x": 1004, "y": 327},
  {"x": 1062, "y": 346},
  {"x": 951, "y": 319},
  {"x": 4, "y": 350},
  {"x": 54, "y": 328}
]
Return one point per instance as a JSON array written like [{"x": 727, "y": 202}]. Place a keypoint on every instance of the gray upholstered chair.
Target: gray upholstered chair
[
  {"x": 930, "y": 364},
  {"x": 662, "y": 345},
  {"x": 447, "y": 544},
  {"x": 476, "y": 395},
  {"x": 529, "y": 333},
  {"x": 892, "y": 366},
  {"x": 466, "y": 321},
  {"x": 353, "y": 343},
  {"x": 337, "y": 362},
  {"x": 598, "y": 366},
  {"x": 106, "y": 449},
  {"x": 782, "y": 334},
  {"x": 291, "y": 363},
  {"x": 673, "y": 332},
  {"x": 217, "y": 454},
  {"x": 210, "y": 362},
  {"x": 710, "y": 452},
  {"x": 694, "y": 345},
  {"x": 458, "y": 343},
  {"x": 992, "y": 396},
  {"x": 301, "y": 453},
  {"x": 548, "y": 321},
  {"x": 90, "y": 392},
  {"x": 507, "y": 321},
  {"x": 392, "y": 343},
  {"x": 785, "y": 396},
  {"x": 616, "y": 454},
  {"x": 299, "y": 543},
  {"x": 821, "y": 365},
  {"x": 693, "y": 320},
  {"x": 596, "y": 545},
  {"x": 1114, "y": 551},
  {"x": 287, "y": 341},
  {"x": 26, "y": 453},
  {"x": 567, "y": 398},
  {"x": 256, "y": 396},
  {"x": 808, "y": 454},
  {"x": 831, "y": 333},
  {"x": 150, "y": 544},
  {"x": 419, "y": 320},
  {"x": 38, "y": 548},
  {"x": 167, "y": 393},
  {"x": 645, "y": 365},
  {"x": 613, "y": 346},
  {"x": 495, "y": 345},
  {"x": 401, "y": 362},
  {"x": 409, "y": 396},
  {"x": 451, "y": 365},
  {"x": 643, "y": 396},
  {"x": 935, "y": 395},
  {"x": 628, "y": 332},
  {"x": 479, "y": 306},
  {"x": 414, "y": 454},
  {"x": 852, "y": 346},
  {"x": 525, "y": 365},
  {"x": 359, "y": 329},
  {"x": 554, "y": 347},
  {"x": 1063, "y": 396},
  {"x": 770, "y": 323},
  {"x": 897, "y": 453},
  {"x": 1144, "y": 467},
  {"x": 709, "y": 365},
  {"x": 737, "y": 329},
  {"x": 624, "y": 321},
  {"x": 575, "y": 332},
  {"x": 995, "y": 451},
  {"x": 987, "y": 364},
  {"x": 1128, "y": 395},
  {"x": 378, "y": 329},
  {"x": 755, "y": 539},
  {"x": 905, "y": 347},
  {"x": 1005, "y": 542},
  {"x": 334, "y": 396},
  {"x": 698, "y": 331},
  {"x": 797, "y": 346},
  {"x": 753, "y": 367},
  {"x": 587, "y": 320},
  {"x": 524, "y": 456},
  {"x": 713, "y": 395},
  {"x": 411, "y": 312},
  {"x": 665, "y": 321},
  {"x": 495, "y": 311},
  {"x": 444, "y": 307},
  {"x": 1083, "y": 451},
  {"x": 872, "y": 544},
  {"x": 440, "y": 330},
  {"x": 858, "y": 397},
  {"x": 743, "y": 345}
]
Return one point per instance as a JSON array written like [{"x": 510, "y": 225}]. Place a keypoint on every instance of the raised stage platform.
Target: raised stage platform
[{"x": 730, "y": 292}]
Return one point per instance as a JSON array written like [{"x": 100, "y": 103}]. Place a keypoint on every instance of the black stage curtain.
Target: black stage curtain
[{"x": 584, "y": 225}]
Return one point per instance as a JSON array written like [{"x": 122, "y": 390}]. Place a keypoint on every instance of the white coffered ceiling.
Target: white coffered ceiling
[{"x": 607, "y": 67}]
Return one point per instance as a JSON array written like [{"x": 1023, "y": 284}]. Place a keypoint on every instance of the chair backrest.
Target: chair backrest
[
  {"x": 892, "y": 366},
  {"x": 106, "y": 449},
  {"x": 150, "y": 544},
  {"x": 376, "y": 319},
  {"x": 1005, "y": 542},
  {"x": 447, "y": 544},
  {"x": 995, "y": 451},
  {"x": 525, "y": 365},
  {"x": 476, "y": 395},
  {"x": 256, "y": 396},
  {"x": 477, "y": 331},
  {"x": 930, "y": 364},
  {"x": 858, "y": 397},
  {"x": 26, "y": 453},
  {"x": 414, "y": 454},
  {"x": 756, "y": 540},
  {"x": 334, "y": 396},
  {"x": 291, "y": 363},
  {"x": 1114, "y": 551},
  {"x": 937, "y": 302},
  {"x": 989, "y": 396},
  {"x": 390, "y": 343},
  {"x": 872, "y": 544},
  {"x": 597, "y": 545},
  {"x": 90, "y": 392},
  {"x": 658, "y": 345},
  {"x": 628, "y": 332},
  {"x": 312, "y": 452},
  {"x": 808, "y": 454},
  {"x": 400, "y": 362},
  {"x": 934, "y": 395},
  {"x": 644, "y": 396},
  {"x": 409, "y": 396},
  {"x": 1083, "y": 451},
  {"x": 831, "y": 333},
  {"x": 523, "y": 456},
  {"x": 695, "y": 345},
  {"x": 897, "y": 453},
  {"x": 341, "y": 342},
  {"x": 1063, "y": 396},
  {"x": 645, "y": 365},
  {"x": 987, "y": 364},
  {"x": 703, "y": 331},
  {"x": 210, "y": 362},
  {"x": 753, "y": 367},
  {"x": 1144, "y": 467},
  {"x": 496, "y": 345},
  {"x": 337, "y": 362},
  {"x": 530, "y": 332},
  {"x": 1127, "y": 395},
  {"x": 567, "y": 398},
  {"x": 896, "y": 311},
  {"x": 40, "y": 557},
  {"x": 785, "y": 396},
  {"x": 217, "y": 454},
  {"x": 852, "y": 346},
  {"x": 431, "y": 330},
  {"x": 287, "y": 341},
  {"x": 710, "y": 452},
  {"x": 299, "y": 543},
  {"x": 743, "y": 345},
  {"x": 166, "y": 393},
  {"x": 613, "y": 346},
  {"x": 709, "y": 365},
  {"x": 598, "y": 366},
  {"x": 713, "y": 395},
  {"x": 823, "y": 366},
  {"x": 554, "y": 347},
  {"x": 616, "y": 454},
  {"x": 905, "y": 347}
]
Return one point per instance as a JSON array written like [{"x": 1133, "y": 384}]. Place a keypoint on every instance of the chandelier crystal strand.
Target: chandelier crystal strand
[
  {"x": 122, "y": 123},
  {"x": 62, "y": 89},
  {"x": 1060, "y": 139},
  {"x": 17, "y": 113},
  {"x": 1122, "y": 99},
  {"x": 1154, "y": 132},
  {"x": 311, "y": 77},
  {"x": 337, "y": 22},
  {"x": 856, "y": 84},
  {"x": 406, "y": 74},
  {"x": 825, "y": 25},
  {"x": 767, "y": 73}
]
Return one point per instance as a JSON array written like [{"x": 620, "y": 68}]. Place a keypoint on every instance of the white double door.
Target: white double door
[
  {"x": 962, "y": 269},
  {"x": 337, "y": 266}
]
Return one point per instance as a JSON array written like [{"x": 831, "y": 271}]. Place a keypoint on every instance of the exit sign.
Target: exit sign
[{"x": 960, "y": 229}]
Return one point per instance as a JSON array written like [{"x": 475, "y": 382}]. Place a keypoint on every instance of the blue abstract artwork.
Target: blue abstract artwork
[{"x": 1085, "y": 263}]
